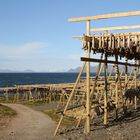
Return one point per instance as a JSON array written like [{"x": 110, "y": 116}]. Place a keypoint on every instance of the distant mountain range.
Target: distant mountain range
[
  {"x": 93, "y": 69},
  {"x": 13, "y": 71}
]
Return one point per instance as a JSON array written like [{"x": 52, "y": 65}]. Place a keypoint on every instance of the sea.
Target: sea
[{"x": 12, "y": 79}]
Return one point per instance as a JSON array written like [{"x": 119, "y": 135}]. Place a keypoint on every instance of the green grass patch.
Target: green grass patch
[
  {"x": 3, "y": 100},
  {"x": 6, "y": 111},
  {"x": 37, "y": 103}
]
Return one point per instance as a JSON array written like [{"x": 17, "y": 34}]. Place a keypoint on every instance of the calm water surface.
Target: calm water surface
[{"x": 11, "y": 79}]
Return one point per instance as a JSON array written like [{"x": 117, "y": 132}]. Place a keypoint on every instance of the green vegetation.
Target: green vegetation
[
  {"x": 6, "y": 111},
  {"x": 3, "y": 100},
  {"x": 37, "y": 103},
  {"x": 67, "y": 121}
]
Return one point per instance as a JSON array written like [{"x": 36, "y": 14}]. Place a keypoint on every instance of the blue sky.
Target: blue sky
[{"x": 36, "y": 34}]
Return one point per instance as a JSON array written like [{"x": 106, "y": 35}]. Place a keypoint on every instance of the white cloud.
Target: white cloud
[
  {"x": 27, "y": 50},
  {"x": 36, "y": 56}
]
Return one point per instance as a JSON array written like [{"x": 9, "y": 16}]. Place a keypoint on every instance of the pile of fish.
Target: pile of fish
[{"x": 125, "y": 45}]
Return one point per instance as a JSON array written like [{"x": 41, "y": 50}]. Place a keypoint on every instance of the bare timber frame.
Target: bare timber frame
[{"x": 125, "y": 45}]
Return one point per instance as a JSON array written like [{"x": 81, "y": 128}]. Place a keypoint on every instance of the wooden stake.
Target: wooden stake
[
  {"x": 135, "y": 85},
  {"x": 70, "y": 97},
  {"x": 17, "y": 94},
  {"x": 105, "y": 93},
  {"x": 116, "y": 86},
  {"x": 88, "y": 81},
  {"x": 6, "y": 95},
  {"x": 93, "y": 88}
]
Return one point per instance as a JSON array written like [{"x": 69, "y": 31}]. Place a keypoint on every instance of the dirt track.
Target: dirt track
[
  {"x": 28, "y": 125},
  {"x": 34, "y": 125}
]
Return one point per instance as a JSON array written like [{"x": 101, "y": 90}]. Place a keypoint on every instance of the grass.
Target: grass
[
  {"x": 6, "y": 114},
  {"x": 37, "y": 103},
  {"x": 6, "y": 111},
  {"x": 3, "y": 100},
  {"x": 67, "y": 121}
]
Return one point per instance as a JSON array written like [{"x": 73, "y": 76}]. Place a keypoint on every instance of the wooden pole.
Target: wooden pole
[
  {"x": 88, "y": 81},
  {"x": 106, "y": 16},
  {"x": 6, "y": 94},
  {"x": 116, "y": 86},
  {"x": 105, "y": 92},
  {"x": 70, "y": 97},
  {"x": 135, "y": 85},
  {"x": 17, "y": 94},
  {"x": 93, "y": 88}
]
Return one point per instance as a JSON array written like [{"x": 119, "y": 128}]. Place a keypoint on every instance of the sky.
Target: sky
[{"x": 36, "y": 35}]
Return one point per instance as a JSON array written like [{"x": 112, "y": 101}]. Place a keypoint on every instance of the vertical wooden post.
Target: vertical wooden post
[
  {"x": 50, "y": 95},
  {"x": 135, "y": 84},
  {"x": 100, "y": 66},
  {"x": 30, "y": 95},
  {"x": 26, "y": 94},
  {"x": 7, "y": 98},
  {"x": 116, "y": 86},
  {"x": 88, "y": 81},
  {"x": 17, "y": 94},
  {"x": 105, "y": 93}
]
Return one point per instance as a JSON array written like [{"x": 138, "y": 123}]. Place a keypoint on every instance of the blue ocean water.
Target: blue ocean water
[{"x": 11, "y": 79}]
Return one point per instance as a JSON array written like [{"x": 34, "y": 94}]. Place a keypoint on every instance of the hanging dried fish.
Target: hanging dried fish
[{"x": 123, "y": 44}]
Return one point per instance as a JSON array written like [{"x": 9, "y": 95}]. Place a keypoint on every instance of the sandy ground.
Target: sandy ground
[
  {"x": 28, "y": 125},
  {"x": 34, "y": 125}
]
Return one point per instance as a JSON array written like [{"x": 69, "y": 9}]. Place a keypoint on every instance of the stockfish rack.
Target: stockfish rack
[{"x": 126, "y": 45}]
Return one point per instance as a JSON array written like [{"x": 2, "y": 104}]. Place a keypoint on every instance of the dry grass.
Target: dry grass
[
  {"x": 6, "y": 114},
  {"x": 6, "y": 111},
  {"x": 67, "y": 121}
]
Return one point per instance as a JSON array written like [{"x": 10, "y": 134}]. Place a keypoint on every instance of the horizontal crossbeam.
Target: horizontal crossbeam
[
  {"x": 115, "y": 28},
  {"x": 108, "y": 61},
  {"x": 106, "y": 16}
]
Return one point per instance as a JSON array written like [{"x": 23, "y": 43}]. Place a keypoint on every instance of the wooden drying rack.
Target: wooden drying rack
[{"x": 88, "y": 59}]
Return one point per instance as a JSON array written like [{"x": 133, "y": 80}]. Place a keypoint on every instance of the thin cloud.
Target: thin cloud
[{"x": 27, "y": 50}]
